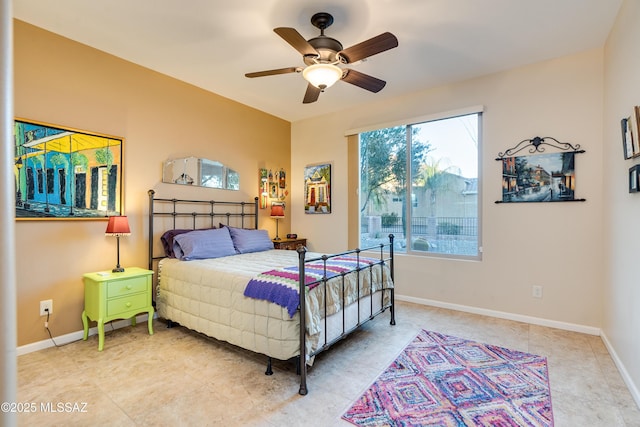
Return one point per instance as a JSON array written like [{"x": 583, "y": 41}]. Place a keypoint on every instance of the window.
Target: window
[{"x": 420, "y": 182}]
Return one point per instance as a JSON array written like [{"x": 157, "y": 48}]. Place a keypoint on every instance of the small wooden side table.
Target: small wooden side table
[
  {"x": 109, "y": 296},
  {"x": 289, "y": 244}
]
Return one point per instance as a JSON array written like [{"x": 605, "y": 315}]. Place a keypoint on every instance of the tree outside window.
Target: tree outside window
[{"x": 436, "y": 164}]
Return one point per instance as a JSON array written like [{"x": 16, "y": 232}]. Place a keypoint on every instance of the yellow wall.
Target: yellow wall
[{"x": 64, "y": 83}]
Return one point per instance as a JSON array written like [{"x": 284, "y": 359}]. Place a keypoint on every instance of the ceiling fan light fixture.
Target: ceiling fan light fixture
[
  {"x": 322, "y": 76},
  {"x": 322, "y": 55}
]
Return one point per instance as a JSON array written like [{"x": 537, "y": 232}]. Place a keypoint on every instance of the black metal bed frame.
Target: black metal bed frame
[
  {"x": 250, "y": 210},
  {"x": 212, "y": 214}
]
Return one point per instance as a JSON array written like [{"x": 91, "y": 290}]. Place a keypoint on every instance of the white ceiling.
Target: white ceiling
[{"x": 213, "y": 43}]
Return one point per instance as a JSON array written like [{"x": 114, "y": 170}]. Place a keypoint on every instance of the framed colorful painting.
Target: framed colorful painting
[
  {"x": 539, "y": 178},
  {"x": 64, "y": 173},
  {"x": 536, "y": 177},
  {"x": 317, "y": 189}
]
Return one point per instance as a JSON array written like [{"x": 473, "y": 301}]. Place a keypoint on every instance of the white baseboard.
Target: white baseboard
[
  {"x": 633, "y": 389},
  {"x": 75, "y": 336},
  {"x": 504, "y": 315}
]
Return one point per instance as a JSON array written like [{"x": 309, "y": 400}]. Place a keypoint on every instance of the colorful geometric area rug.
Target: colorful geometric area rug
[{"x": 441, "y": 380}]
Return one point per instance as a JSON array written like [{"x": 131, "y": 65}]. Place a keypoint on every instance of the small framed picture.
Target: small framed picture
[
  {"x": 632, "y": 126},
  {"x": 633, "y": 178},
  {"x": 273, "y": 189},
  {"x": 317, "y": 189},
  {"x": 627, "y": 140}
]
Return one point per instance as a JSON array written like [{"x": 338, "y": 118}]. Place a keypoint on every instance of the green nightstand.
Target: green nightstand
[{"x": 109, "y": 296}]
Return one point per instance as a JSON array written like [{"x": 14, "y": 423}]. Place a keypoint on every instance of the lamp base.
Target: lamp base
[
  {"x": 277, "y": 236},
  {"x": 117, "y": 270}
]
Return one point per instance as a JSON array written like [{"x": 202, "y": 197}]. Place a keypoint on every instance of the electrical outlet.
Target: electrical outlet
[
  {"x": 536, "y": 291},
  {"x": 46, "y": 307}
]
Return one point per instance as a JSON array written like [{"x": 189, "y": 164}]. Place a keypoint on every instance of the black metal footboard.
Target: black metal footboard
[{"x": 384, "y": 259}]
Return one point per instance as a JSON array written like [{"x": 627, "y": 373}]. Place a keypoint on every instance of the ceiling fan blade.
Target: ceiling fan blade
[
  {"x": 364, "y": 81},
  {"x": 299, "y": 43},
  {"x": 367, "y": 48},
  {"x": 274, "y": 72},
  {"x": 311, "y": 95}
]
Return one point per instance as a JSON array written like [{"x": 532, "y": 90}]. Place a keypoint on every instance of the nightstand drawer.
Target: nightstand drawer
[
  {"x": 122, "y": 305},
  {"x": 128, "y": 286}
]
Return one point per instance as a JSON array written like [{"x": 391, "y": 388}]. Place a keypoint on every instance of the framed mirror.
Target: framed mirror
[{"x": 200, "y": 172}]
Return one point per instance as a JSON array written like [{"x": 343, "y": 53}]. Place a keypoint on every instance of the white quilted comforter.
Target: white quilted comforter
[{"x": 208, "y": 296}]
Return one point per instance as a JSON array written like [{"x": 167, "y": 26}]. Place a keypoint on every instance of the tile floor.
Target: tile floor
[{"x": 179, "y": 378}]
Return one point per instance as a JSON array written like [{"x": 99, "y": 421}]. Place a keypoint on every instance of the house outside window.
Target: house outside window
[{"x": 420, "y": 182}]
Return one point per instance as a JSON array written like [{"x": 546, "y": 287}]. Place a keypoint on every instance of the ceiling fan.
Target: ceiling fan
[{"x": 323, "y": 54}]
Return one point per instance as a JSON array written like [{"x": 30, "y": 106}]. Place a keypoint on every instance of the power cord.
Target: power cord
[{"x": 46, "y": 326}]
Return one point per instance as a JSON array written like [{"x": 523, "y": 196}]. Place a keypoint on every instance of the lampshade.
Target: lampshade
[
  {"x": 322, "y": 76},
  {"x": 277, "y": 210},
  {"x": 118, "y": 226}
]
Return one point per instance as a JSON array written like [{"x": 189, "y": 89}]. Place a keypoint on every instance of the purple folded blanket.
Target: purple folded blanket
[{"x": 281, "y": 286}]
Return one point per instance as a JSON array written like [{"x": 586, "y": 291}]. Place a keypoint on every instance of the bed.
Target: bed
[{"x": 247, "y": 294}]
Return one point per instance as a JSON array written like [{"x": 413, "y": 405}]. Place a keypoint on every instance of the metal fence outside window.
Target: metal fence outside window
[{"x": 426, "y": 226}]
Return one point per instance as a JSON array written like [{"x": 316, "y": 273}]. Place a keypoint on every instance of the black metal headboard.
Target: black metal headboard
[{"x": 198, "y": 214}]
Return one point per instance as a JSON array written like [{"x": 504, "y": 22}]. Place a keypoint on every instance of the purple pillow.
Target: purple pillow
[
  {"x": 167, "y": 240},
  {"x": 249, "y": 240},
  {"x": 168, "y": 237},
  {"x": 203, "y": 244}
]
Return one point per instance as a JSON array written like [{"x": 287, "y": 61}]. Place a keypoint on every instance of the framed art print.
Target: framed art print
[
  {"x": 634, "y": 179},
  {"x": 539, "y": 176},
  {"x": 627, "y": 140},
  {"x": 64, "y": 173},
  {"x": 633, "y": 129},
  {"x": 317, "y": 189}
]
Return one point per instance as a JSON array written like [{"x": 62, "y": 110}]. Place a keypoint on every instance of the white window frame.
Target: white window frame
[{"x": 420, "y": 120}]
